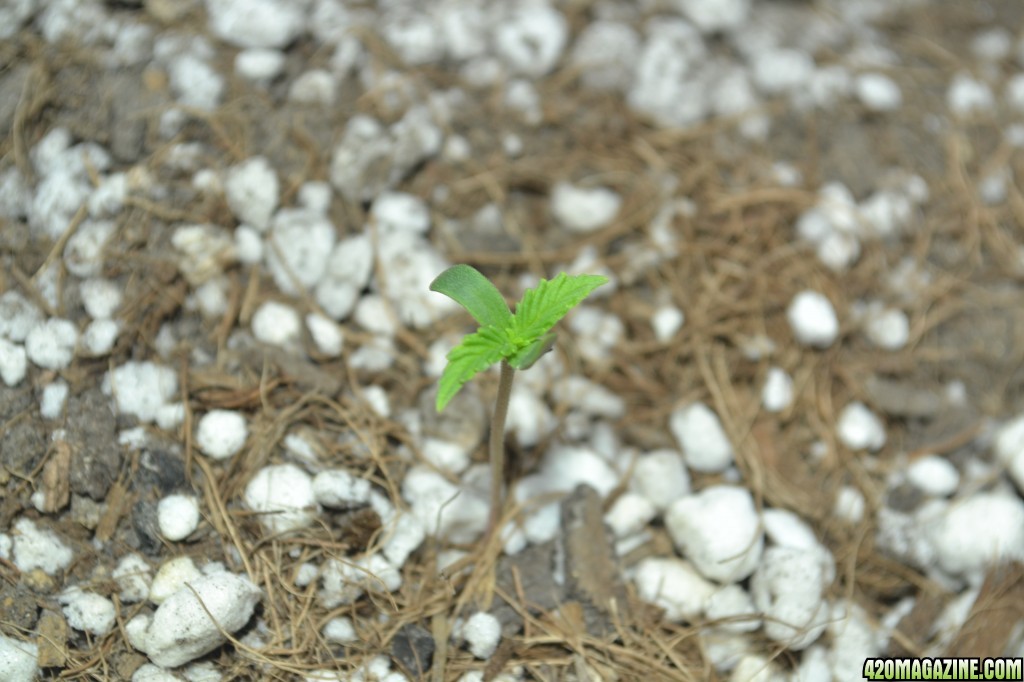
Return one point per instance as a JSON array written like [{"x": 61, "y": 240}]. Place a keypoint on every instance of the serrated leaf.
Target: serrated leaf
[
  {"x": 477, "y": 352},
  {"x": 466, "y": 286},
  {"x": 525, "y": 357},
  {"x": 543, "y": 306}
]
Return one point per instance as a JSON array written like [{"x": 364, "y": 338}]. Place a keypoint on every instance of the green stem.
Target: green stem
[{"x": 497, "y": 447}]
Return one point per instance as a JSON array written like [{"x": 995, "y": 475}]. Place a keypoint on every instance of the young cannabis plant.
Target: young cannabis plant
[{"x": 516, "y": 340}]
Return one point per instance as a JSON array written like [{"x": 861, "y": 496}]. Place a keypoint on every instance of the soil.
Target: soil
[{"x": 737, "y": 269}]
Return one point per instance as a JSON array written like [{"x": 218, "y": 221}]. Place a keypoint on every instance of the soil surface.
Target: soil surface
[{"x": 737, "y": 265}]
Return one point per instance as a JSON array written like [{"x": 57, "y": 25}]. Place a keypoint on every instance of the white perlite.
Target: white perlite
[
  {"x": 284, "y": 493},
  {"x": 87, "y": 611},
  {"x": 787, "y": 588},
  {"x": 51, "y": 344},
  {"x": 813, "y": 319},
  {"x": 700, "y": 436},
  {"x": 140, "y": 388},
  {"x": 18, "y": 660},
  {"x": 583, "y": 209},
  {"x": 887, "y": 328},
  {"x": 35, "y": 548},
  {"x": 975, "y": 533},
  {"x": 182, "y": 629},
  {"x": 482, "y": 632},
  {"x": 673, "y": 585},
  {"x": 777, "y": 393},
  {"x": 878, "y": 92},
  {"x": 934, "y": 475},
  {"x": 13, "y": 362},
  {"x": 298, "y": 249},
  {"x": 277, "y": 324},
  {"x": 661, "y": 477},
  {"x": 178, "y": 516},
  {"x": 256, "y": 23},
  {"x": 859, "y": 429},
  {"x": 718, "y": 530},
  {"x": 251, "y": 190},
  {"x": 221, "y": 433}
]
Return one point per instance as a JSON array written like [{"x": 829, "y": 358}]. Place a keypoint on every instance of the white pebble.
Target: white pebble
[
  {"x": 340, "y": 630},
  {"x": 374, "y": 314},
  {"x": 661, "y": 477},
  {"x": 850, "y": 504},
  {"x": 699, "y": 433},
  {"x": 101, "y": 297},
  {"x": 934, "y": 476},
  {"x": 482, "y": 632},
  {"x": 733, "y": 605},
  {"x": 878, "y": 92},
  {"x": 316, "y": 86},
  {"x": 18, "y": 659},
  {"x": 99, "y": 337},
  {"x": 283, "y": 493},
  {"x": 83, "y": 255},
  {"x": 565, "y": 467},
  {"x": 348, "y": 272},
  {"x": 673, "y": 585},
  {"x": 13, "y": 362},
  {"x": 589, "y": 397},
  {"x": 813, "y": 319},
  {"x": 718, "y": 530},
  {"x": 663, "y": 86},
  {"x": 315, "y": 196},
  {"x": 975, "y": 533},
  {"x": 666, "y": 321},
  {"x": 787, "y": 588},
  {"x": 782, "y": 70},
  {"x": 221, "y": 433},
  {"x": 195, "y": 82},
  {"x": 140, "y": 388},
  {"x": 256, "y": 23},
  {"x": 36, "y": 548},
  {"x": 259, "y": 65},
  {"x": 133, "y": 577},
  {"x": 887, "y": 328},
  {"x": 178, "y": 516},
  {"x": 190, "y": 622},
  {"x": 604, "y": 52},
  {"x": 51, "y": 405},
  {"x": 51, "y": 344},
  {"x": 530, "y": 37},
  {"x": 859, "y": 428},
  {"x": 248, "y": 245},
  {"x": 777, "y": 393},
  {"x": 87, "y": 611},
  {"x": 298, "y": 249},
  {"x": 277, "y": 324},
  {"x": 967, "y": 96},
  {"x": 713, "y": 17},
  {"x": 171, "y": 577},
  {"x": 251, "y": 190},
  {"x": 338, "y": 489},
  {"x": 583, "y": 209},
  {"x": 18, "y": 316},
  {"x": 405, "y": 534},
  {"x": 630, "y": 514},
  {"x": 326, "y": 334}
]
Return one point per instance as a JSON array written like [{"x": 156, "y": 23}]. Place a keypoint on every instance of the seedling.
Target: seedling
[{"x": 516, "y": 340}]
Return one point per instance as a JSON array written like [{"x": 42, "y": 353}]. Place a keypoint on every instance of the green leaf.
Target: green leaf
[
  {"x": 525, "y": 357},
  {"x": 543, "y": 306},
  {"x": 466, "y": 286},
  {"x": 476, "y": 353}
]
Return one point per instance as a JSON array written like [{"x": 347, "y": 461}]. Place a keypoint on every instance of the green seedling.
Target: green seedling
[{"x": 516, "y": 340}]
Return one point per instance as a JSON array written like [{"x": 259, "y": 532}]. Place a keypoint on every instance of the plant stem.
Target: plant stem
[{"x": 497, "y": 447}]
